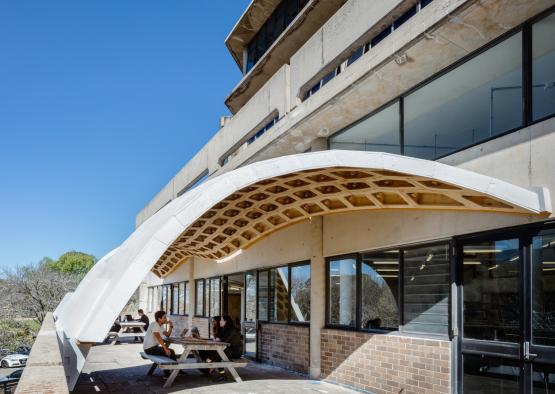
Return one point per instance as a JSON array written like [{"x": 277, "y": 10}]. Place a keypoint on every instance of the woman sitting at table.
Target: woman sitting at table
[{"x": 230, "y": 334}]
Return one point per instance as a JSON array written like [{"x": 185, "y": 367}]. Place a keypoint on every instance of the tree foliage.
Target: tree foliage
[
  {"x": 33, "y": 290},
  {"x": 72, "y": 263}
]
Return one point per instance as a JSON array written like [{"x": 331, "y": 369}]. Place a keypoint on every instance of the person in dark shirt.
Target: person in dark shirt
[
  {"x": 230, "y": 334},
  {"x": 143, "y": 318}
]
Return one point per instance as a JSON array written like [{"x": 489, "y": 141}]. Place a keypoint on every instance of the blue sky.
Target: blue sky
[{"x": 101, "y": 103}]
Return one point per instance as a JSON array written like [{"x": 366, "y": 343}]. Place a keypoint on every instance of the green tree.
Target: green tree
[{"x": 71, "y": 263}]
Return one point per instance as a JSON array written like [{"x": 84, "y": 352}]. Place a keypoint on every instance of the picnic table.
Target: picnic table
[
  {"x": 124, "y": 325},
  {"x": 193, "y": 345}
]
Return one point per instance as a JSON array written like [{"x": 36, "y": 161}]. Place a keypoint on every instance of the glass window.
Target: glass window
[
  {"x": 543, "y": 67},
  {"x": 157, "y": 302},
  {"x": 300, "y": 293},
  {"x": 263, "y": 295},
  {"x": 281, "y": 17},
  {"x": 379, "y": 132},
  {"x": 199, "y": 305},
  {"x": 166, "y": 298},
  {"x": 426, "y": 289},
  {"x": 250, "y": 296},
  {"x": 187, "y": 308},
  {"x": 479, "y": 99},
  {"x": 491, "y": 290},
  {"x": 215, "y": 297},
  {"x": 150, "y": 299},
  {"x": 543, "y": 288},
  {"x": 279, "y": 291},
  {"x": 342, "y": 291},
  {"x": 379, "y": 290},
  {"x": 487, "y": 375},
  {"x": 175, "y": 299},
  {"x": 181, "y": 295}
]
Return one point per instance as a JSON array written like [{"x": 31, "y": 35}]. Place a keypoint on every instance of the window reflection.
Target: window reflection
[
  {"x": 543, "y": 379},
  {"x": 491, "y": 290},
  {"x": 300, "y": 293},
  {"x": 543, "y": 67},
  {"x": 263, "y": 295},
  {"x": 488, "y": 375},
  {"x": 379, "y": 132},
  {"x": 342, "y": 291},
  {"x": 479, "y": 99},
  {"x": 199, "y": 306},
  {"x": 543, "y": 288},
  {"x": 379, "y": 287},
  {"x": 214, "y": 297},
  {"x": 279, "y": 290},
  {"x": 250, "y": 296},
  {"x": 426, "y": 289}
]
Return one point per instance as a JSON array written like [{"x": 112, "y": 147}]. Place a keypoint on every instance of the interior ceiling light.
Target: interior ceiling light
[{"x": 474, "y": 251}]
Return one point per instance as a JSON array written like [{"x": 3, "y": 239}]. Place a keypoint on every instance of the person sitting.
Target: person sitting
[
  {"x": 195, "y": 333},
  {"x": 153, "y": 343},
  {"x": 230, "y": 334},
  {"x": 142, "y": 318}
]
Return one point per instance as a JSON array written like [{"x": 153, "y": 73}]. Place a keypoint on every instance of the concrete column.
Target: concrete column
[
  {"x": 319, "y": 144},
  {"x": 317, "y": 294},
  {"x": 192, "y": 300}
]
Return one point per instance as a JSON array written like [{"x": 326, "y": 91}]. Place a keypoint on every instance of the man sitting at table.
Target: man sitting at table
[
  {"x": 142, "y": 318},
  {"x": 154, "y": 343}
]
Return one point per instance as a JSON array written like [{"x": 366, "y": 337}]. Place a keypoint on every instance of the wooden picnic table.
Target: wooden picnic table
[
  {"x": 194, "y": 345},
  {"x": 124, "y": 325}
]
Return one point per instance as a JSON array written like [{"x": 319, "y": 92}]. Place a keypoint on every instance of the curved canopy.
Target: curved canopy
[{"x": 234, "y": 210}]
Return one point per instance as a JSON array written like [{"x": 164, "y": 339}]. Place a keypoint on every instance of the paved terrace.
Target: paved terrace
[{"x": 120, "y": 369}]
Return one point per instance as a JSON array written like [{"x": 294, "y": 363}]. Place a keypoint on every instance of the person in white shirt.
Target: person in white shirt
[{"x": 153, "y": 343}]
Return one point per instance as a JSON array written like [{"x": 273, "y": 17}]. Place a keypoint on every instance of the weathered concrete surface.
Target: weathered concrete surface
[
  {"x": 432, "y": 40},
  {"x": 119, "y": 369},
  {"x": 44, "y": 372}
]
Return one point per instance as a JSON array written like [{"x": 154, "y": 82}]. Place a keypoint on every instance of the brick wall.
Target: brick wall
[
  {"x": 287, "y": 346},
  {"x": 386, "y": 363},
  {"x": 203, "y": 325}
]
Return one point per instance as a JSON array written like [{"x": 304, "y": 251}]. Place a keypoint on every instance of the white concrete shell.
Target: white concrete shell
[{"x": 86, "y": 315}]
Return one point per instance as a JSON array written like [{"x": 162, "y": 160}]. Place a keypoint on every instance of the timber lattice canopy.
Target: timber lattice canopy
[{"x": 250, "y": 213}]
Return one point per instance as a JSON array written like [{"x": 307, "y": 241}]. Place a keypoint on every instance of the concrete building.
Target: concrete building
[{"x": 376, "y": 212}]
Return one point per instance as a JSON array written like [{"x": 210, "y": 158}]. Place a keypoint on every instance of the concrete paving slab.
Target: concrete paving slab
[{"x": 120, "y": 369}]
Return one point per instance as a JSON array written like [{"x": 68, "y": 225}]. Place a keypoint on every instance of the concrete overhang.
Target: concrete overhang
[
  {"x": 231, "y": 212},
  {"x": 305, "y": 24},
  {"x": 257, "y": 12},
  {"x": 434, "y": 39}
]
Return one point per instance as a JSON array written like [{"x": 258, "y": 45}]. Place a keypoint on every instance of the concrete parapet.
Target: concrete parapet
[{"x": 44, "y": 372}]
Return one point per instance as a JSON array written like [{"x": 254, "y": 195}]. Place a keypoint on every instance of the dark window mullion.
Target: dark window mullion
[
  {"x": 358, "y": 292},
  {"x": 401, "y": 289},
  {"x": 402, "y": 125}
]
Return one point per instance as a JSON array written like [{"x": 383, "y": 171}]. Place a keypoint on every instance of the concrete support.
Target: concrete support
[
  {"x": 319, "y": 144},
  {"x": 192, "y": 299},
  {"x": 317, "y": 294}
]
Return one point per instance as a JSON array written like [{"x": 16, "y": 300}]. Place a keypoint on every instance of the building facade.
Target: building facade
[{"x": 378, "y": 277}]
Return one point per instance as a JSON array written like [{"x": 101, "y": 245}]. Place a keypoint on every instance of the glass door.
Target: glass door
[
  {"x": 507, "y": 313},
  {"x": 491, "y": 335},
  {"x": 539, "y": 350}
]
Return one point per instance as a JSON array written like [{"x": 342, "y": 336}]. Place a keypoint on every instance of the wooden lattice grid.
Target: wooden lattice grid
[{"x": 248, "y": 215}]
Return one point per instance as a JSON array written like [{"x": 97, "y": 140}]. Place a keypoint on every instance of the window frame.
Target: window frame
[
  {"x": 400, "y": 289},
  {"x": 525, "y": 29},
  {"x": 268, "y": 302},
  {"x": 201, "y": 314},
  {"x": 208, "y": 310}
]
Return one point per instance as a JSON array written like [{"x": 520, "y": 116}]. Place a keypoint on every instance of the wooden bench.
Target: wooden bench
[{"x": 166, "y": 363}]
